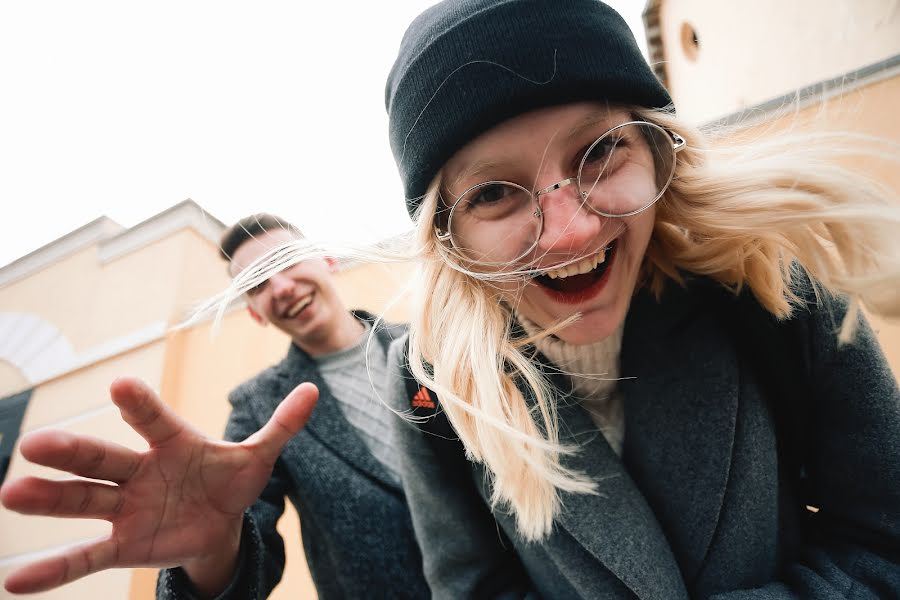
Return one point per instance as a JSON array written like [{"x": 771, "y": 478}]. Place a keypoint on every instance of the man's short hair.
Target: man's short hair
[{"x": 248, "y": 228}]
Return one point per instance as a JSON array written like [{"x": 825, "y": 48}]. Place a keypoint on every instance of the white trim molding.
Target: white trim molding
[
  {"x": 42, "y": 352},
  {"x": 83, "y": 237},
  {"x": 186, "y": 214}
]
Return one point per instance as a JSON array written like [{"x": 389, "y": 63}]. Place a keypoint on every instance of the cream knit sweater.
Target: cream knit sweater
[{"x": 594, "y": 372}]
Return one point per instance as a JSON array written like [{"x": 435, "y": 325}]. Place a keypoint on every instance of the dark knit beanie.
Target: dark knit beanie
[{"x": 467, "y": 65}]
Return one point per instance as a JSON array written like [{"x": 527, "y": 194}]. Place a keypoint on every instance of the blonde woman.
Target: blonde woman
[
  {"x": 648, "y": 374},
  {"x": 634, "y": 339}
]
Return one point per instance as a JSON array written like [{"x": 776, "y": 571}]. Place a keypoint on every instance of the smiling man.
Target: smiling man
[{"x": 340, "y": 471}]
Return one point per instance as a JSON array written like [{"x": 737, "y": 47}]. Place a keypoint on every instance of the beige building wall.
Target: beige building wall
[
  {"x": 867, "y": 110},
  {"x": 380, "y": 289},
  {"x": 63, "y": 308},
  {"x": 92, "y": 301},
  {"x": 750, "y": 52},
  {"x": 11, "y": 379},
  {"x": 58, "y": 293}
]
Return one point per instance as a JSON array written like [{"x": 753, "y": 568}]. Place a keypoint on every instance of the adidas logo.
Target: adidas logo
[{"x": 422, "y": 399}]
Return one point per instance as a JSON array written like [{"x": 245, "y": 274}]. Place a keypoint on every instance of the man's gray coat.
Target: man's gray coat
[{"x": 356, "y": 528}]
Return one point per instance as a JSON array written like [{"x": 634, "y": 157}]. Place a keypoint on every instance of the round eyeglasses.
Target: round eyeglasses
[{"x": 497, "y": 223}]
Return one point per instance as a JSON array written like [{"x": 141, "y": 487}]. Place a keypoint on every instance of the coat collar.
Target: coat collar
[{"x": 327, "y": 423}]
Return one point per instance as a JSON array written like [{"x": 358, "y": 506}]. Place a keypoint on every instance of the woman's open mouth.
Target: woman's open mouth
[{"x": 580, "y": 281}]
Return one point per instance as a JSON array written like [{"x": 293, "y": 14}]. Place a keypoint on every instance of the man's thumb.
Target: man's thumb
[{"x": 289, "y": 417}]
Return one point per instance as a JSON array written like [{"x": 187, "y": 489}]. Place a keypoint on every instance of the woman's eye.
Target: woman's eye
[
  {"x": 602, "y": 149},
  {"x": 489, "y": 194}
]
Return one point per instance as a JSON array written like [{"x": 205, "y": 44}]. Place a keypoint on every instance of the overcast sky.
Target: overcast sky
[{"x": 124, "y": 109}]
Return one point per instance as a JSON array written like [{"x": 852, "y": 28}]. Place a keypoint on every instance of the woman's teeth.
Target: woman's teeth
[
  {"x": 585, "y": 265},
  {"x": 298, "y": 306}
]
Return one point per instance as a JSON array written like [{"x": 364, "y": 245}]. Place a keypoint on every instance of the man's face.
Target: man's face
[{"x": 301, "y": 300}]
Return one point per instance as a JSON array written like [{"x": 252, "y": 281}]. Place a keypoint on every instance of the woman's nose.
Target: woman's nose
[{"x": 569, "y": 225}]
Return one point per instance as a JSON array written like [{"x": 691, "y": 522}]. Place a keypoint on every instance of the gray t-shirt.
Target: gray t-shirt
[{"x": 360, "y": 389}]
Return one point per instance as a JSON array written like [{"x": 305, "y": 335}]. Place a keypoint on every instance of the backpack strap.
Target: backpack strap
[{"x": 507, "y": 577}]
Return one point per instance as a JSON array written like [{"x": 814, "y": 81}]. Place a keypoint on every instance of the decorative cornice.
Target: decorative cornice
[
  {"x": 185, "y": 214},
  {"x": 113, "y": 240},
  {"x": 83, "y": 237}
]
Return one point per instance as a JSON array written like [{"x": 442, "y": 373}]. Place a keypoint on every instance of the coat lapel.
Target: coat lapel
[
  {"x": 616, "y": 526},
  {"x": 327, "y": 424},
  {"x": 681, "y": 400}
]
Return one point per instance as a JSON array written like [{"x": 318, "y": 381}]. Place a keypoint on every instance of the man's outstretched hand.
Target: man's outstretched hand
[{"x": 180, "y": 502}]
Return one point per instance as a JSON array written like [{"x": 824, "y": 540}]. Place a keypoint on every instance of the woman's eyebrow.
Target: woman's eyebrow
[
  {"x": 588, "y": 123},
  {"x": 592, "y": 121},
  {"x": 476, "y": 168}
]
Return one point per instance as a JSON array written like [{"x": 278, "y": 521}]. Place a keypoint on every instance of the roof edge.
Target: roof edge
[{"x": 810, "y": 94}]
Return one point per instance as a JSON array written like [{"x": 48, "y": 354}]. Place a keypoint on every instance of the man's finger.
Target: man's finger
[
  {"x": 289, "y": 418},
  {"x": 80, "y": 455},
  {"x": 145, "y": 412},
  {"x": 71, "y": 498},
  {"x": 65, "y": 568}
]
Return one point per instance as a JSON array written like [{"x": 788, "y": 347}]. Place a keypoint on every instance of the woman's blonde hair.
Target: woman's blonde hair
[{"x": 745, "y": 215}]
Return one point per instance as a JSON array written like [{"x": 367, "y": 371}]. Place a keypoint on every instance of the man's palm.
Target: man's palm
[{"x": 177, "y": 501}]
